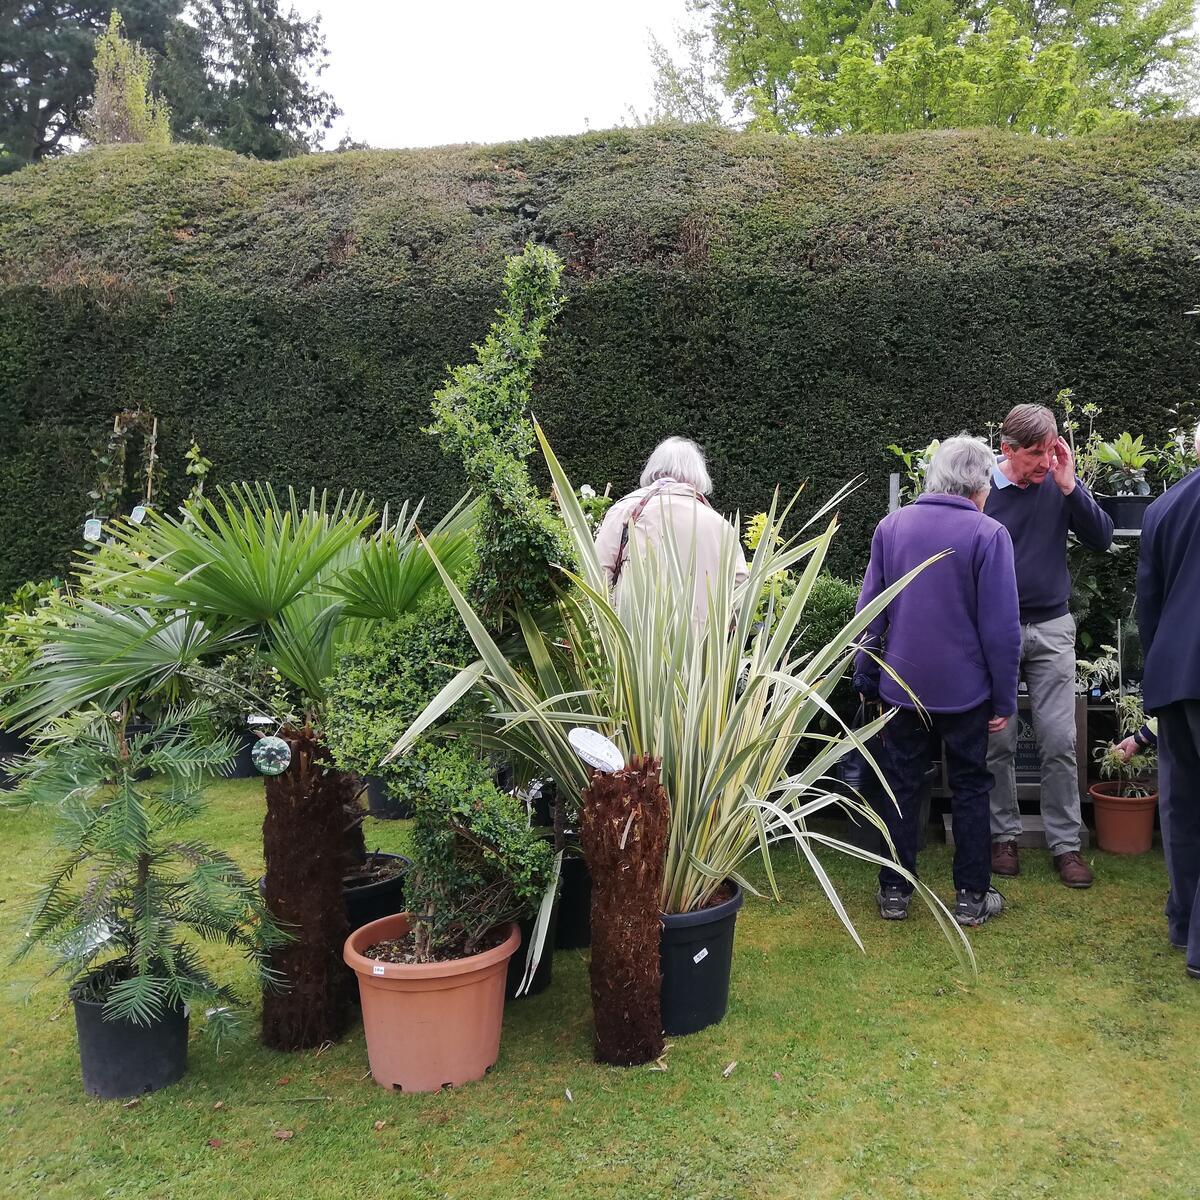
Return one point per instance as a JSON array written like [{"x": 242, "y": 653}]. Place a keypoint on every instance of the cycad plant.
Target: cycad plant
[
  {"x": 730, "y": 706},
  {"x": 163, "y": 601},
  {"x": 132, "y": 897}
]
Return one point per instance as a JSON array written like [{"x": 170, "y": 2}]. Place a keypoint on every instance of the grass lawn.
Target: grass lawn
[{"x": 1069, "y": 1068}]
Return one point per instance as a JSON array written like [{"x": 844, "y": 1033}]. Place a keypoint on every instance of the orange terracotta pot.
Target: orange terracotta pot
[
  {"x": 432, "y": 1024},
  {"x": 1124, "y": 824}
]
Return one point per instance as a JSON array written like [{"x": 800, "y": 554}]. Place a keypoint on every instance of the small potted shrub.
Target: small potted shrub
[
  {"x": 1126, "y": 797},
  {"x": 1123, "y": 463},
  {"x": 133, "y": 897},
  {"x": 431, "y": 980}
]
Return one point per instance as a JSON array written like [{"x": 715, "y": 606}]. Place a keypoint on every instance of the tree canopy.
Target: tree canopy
[
  {"x": 240, "y": 74},
  {"x": 870, "y": 66}
]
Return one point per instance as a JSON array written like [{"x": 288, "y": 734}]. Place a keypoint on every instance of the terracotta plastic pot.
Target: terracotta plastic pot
[
  {"x": 430, "y": 1025},
  {"x": 1124, "y": 824}
]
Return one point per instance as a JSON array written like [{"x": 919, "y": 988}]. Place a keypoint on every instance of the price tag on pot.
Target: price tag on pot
[
  {"x": 595, "y": 749},
  {"x": 271, "y": 755},
  {"x": 377, "y": 969},
  {"x": 700, "y": 956}
]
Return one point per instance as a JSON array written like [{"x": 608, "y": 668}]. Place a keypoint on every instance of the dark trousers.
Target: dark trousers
[
  {"x": 906, "y": 738},
  {"x": 1179, "y": 812}
]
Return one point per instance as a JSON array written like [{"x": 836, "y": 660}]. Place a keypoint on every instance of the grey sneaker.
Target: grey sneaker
[
  {"x": 893, "y": 903},
  {"x": 974, "y": 908}
]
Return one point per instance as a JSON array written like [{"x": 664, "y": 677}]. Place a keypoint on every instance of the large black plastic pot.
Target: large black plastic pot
[
  {"x": 1127, "y": 512},
  {"x": 375, "y": 900},
  {"x": 697, "y": 957},
  {"x": 11, "y": 746},
  {"x": 382, "y": 805},
  {"x": 545, "y": 967},
  {"x": 574, "y": 905},
  {"x": 121, "y": 1059},
  {"x": 243, "y": 763}
]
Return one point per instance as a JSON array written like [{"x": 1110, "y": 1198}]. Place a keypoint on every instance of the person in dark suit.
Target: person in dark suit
[{"x": 1168, "y": 608}]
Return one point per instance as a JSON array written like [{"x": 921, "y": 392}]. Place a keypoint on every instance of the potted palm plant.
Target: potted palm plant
[
  {"x": 432, "y": 979},
  {"x": 132, "y": 897},
  {"x": 162, "y": 602},
  {"x": 1123, "y": 462},
  {"x": 724, "y": 706}
]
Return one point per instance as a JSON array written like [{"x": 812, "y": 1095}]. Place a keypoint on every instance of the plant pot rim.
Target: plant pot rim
[
  {"x": 366, "y": 889},
  {"x": 1103, "y": 791},
  {"x": 397, "y": 926},
  {"x": 702, "y": 916}
]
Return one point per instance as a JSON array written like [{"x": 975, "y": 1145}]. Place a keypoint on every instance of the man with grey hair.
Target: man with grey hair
[
  {"x": 951, "y": 637},
  {"x": 674, "y": 493},
  {"x": 1168, "y": 604},
  {"x": 1038, "y": 499}
]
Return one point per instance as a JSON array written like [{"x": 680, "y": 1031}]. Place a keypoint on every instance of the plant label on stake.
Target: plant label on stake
[
  {"x": 92, "y": 529},
  {"x": 595, "y": 749},
  {"x": 138, "y": 515}
]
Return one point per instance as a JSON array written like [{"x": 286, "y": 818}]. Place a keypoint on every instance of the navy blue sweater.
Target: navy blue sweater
[
  {"x": 1168, "y": 595},
  {"x": 1038, "y": 518}
]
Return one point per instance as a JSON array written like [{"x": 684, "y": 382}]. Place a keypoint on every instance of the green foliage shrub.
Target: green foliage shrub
[
  {"x": 383, "y": 683},
  {"x": 476, "y": 861},
  {"x": 482, "y": 418}
]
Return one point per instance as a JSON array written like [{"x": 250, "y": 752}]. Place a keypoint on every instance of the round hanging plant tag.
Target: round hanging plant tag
[
  {"x": 595, "y": 749},
  {"x": 271, "y": 755}
]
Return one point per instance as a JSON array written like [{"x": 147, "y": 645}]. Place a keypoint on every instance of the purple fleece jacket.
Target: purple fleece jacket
[{"x": 953, "y": 633}]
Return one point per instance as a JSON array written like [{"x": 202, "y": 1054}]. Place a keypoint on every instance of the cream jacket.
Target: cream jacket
[{"x": 694, "y": 523}]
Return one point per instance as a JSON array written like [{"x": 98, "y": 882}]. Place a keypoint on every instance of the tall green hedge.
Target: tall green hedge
[{"x": 794, "y": 305}]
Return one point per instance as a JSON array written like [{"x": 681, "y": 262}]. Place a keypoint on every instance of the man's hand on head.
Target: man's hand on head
[{"x": 1062, "y": 466}]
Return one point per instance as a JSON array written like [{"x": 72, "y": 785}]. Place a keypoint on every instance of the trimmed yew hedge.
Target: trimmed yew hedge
[{"x": 794, "y": 305}]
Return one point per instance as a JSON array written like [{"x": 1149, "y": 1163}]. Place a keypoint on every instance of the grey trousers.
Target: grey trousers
[
  {"x": 1048, "y": 668},
  {"x": 1179, "y": 812}
]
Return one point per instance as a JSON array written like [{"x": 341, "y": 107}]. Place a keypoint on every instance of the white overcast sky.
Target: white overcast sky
[{"x": 415, "y": 73}]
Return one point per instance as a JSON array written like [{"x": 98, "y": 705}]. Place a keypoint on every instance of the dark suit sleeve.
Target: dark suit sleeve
[
  {"x": 1149, "y": 584},
  {"x": 866, "y": 669},
  {"x": 1087, "y": 520}
]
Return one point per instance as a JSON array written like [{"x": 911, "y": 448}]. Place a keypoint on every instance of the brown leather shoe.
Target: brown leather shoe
[
  {"x": 1072, "y": 870},
  {"x": 1004, "y": 859}
]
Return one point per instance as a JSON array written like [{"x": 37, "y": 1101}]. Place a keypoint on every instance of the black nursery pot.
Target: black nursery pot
[
  {"x": 574, "y": 905},
  {"x": 121, "y": 1059},
  {"x": 1127, "y": 512},
  {"x": 697, "y": 957},
  {"x": 243, "y": 763},
  {"x": 384, "y": 898},
  {"x": 11, "y": 746},
  {"x": 382, "y": 806},
  {"x": 545, "y": 967}
]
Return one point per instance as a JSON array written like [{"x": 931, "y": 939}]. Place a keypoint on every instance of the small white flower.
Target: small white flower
[{"x": 587, "y": 491}]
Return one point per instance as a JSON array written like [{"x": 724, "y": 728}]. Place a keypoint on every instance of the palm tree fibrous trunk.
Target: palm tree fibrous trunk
[
  {"x": 623, "y": 831},
  {"x": 308, "y": 836}
]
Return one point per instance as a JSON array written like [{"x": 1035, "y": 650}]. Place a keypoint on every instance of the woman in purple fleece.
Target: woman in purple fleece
[{"x": 950, "y": 644}]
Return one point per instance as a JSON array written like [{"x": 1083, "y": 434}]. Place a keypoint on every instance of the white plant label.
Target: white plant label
[
  {"x": 377, "y": 969},
  {"x": 138, "y": 515},
  {"x": 92, "y": 529},
  {"x": 595, "y": 749},
  {"x": 701, "y": 955}
]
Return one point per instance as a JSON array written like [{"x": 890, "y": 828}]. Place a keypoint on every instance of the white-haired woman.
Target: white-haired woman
[
  {"x": 674, "y": 488},
  {"x": 953, "y": 636}
]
